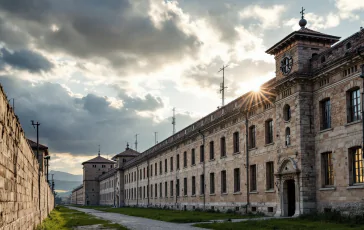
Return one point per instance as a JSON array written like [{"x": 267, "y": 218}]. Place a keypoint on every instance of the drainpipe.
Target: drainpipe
[
  {"x": 137, "y": 193},
  {"x": 361, "y": 54},
  {"x": 148, "y": 187},
  {"x": 247, "y": 162},
  {"x": 203, "y": 167}
]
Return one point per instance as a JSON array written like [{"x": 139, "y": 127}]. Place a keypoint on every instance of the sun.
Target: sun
[{"x": 255, "y": 87}]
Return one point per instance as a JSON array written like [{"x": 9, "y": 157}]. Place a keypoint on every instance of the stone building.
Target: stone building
[{"x": 292, "y": 148}]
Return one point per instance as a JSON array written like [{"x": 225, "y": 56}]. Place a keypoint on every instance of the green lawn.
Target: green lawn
[
  {"x": 62, "y": 218},
  {"x": 281, "y": 224},
  {"x": 170, "y": 215}
]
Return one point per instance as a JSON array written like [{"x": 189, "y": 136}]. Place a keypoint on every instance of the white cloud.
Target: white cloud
[
  {"x": 268, "y": 17},
  {"x": 316, "y": 22},
  {"x": 347, "y": 8}
]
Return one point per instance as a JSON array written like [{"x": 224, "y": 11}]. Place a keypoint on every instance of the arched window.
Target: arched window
[
  {"x": 288, "y": 136},
  {"x": 286, "y": 112}
]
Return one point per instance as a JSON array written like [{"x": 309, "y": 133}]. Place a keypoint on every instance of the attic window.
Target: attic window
[
  {"x": 323, "y": 59},
  {"x": 348, "y": 45}
]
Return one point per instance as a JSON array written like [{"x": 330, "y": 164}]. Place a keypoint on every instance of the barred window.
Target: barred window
[
  {"x": 193, "y": 185},
  {"x": 212, "y": 183},
  {"x": 165, "y": 189},
  {"x": 354, "y": 105},
  {"x": 171, "y": 188},
  {"x": 177, "y": 163},
  {"x": 252, "y": 140},
  {"x": 328, "y": 170},
  {"x": 184, "y": 159},
  {"x": 177, "y": 187},
  {"x": 356, "y": 165},
  {"x": 185, "y": 186},
  {"x": 253, "y": 178},
  {"x": 325, "y": 114},
  {"x": 269, "y": 131},
  {"x": 171, "y": 164},
  {"x": 236, "y": 142},
  {"x": 212, "y": 152},
  {"x": 237, "y": 180},
  {"x": 193, "y": 157},
  {"x": 269, "y": 175},
  {"x": 202, "y": 184},
  {"x": 202, "y": 153},
  {"x": 165, "y": 165},
  {"x": 223, "y": 146}
]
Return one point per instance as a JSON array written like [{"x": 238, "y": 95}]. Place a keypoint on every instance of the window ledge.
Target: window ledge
[
  {"x": 194, "y": 195},
  {"x": 253, "y": 192},
  {"x": 212, "y": 194},
  {"x": 201, "y": 162},
  {"x": 287, "y": 121},
  {"x": 253, "y": 148},
  {"x": 212, "y": 160},
  {"x": 356, "y": 186},
  {"x": 224, "y": 194},
  {"x": 184, "y": 167},
  {"x": 185, "y": 195},
  {"x": 237, "y": 193},
  {"x": 171, "y": 196},
  {"x": 272, "y": 143},
  {"x": 202, "y": 195},
  {"x": 325, "y": 130},
  {"x": 193, "y": 165},
  {"x": 327, "y": 189},
  {"x": 353, "y": 123},
  {"x": 236, "y": 153},
  {"x": 222, "y": 157},
  {"x": 270, "y": 191}
]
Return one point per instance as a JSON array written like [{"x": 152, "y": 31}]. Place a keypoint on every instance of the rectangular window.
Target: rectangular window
[
  {"x": 156, "y": 190},
  {"x": 171, "y": 164},
  {"x": 269, "y": 175},
  {"x": 177, "y": 159},
  {"x": 212, "y": 152},
  {"x": 147, "y": 191},
  {"x": 185, "y": 186},
  {"x": 212, "y": 183},
  {"x": 202, "y": 153},
  {"x": 151, "y": 191},
  {"x": 144, "y": 195},
  {"x": 171, "y": 188},
  {"x": 155, "y": 169},
  {"x": 143, "y": 173},
  {"x": 193, "y": 186},
  {"x": 223, "y": 181},
  {"x": 237, "y": 180},
  {"x": 202, "y": 184},
  {"x": 328, "y": 170},
  {"x": 252, "y": 137},
  {"x": 223, "y": 146},
  {"x": 357, "y": 170},
  {"x": 185, "y": 159},
  {"x": 253, "y": 178},
  {"x": 160, "y": 168},
  {"x": 325, "y": 114},
  {"x": 165, "y": 166},
  {"x": 236, "y": 142},
  {"x": 177, "y": 187},
  {"x": 160, "y": 190},
  {"x": 193, "y": 156},
  {"x": 165, "y": 189},
  {"x": 269, "y": 131},
  {"x": 354, "y": 106}
]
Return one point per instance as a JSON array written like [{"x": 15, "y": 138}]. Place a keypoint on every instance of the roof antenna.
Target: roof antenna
[
  {"x": 303, "y": 21},
  {"x": 222, "y": 85},
  {"x": 136, "y": 142},
  {"x": 127, "y": 145},
  {"x": 99, "y": 150},
  {"x": 174, "y": 120}
]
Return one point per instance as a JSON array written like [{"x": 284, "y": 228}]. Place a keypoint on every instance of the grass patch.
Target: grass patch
[
  {"x": 171, "y": 215},
  {"x": 63, "y": 218},
  {"x": 319, "y": 221}
]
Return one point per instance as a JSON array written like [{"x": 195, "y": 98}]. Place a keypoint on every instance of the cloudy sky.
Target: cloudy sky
[{"x": 98, "y": 72}]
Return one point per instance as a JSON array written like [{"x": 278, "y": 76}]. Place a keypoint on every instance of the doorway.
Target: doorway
[{"x": 289, "y": 198}]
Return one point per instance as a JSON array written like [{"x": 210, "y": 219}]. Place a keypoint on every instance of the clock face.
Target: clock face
[{"x": 286, "y": 65}]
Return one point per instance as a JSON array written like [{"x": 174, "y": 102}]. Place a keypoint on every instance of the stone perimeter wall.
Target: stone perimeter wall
[{"x": 19, "y": 191}]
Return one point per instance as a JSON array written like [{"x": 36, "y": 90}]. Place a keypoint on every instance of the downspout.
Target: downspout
[
  {"x": 203, "y": 168},
  {"x": 247, "y": 162},
  {"x": 137, "y": 193},
  {"x": 148, "y": 187}
]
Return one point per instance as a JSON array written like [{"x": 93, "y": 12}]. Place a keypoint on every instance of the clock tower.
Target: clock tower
[{"x": 293, "y": 53}]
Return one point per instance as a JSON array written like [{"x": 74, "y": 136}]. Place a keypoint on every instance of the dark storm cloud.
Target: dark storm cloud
[
  {"x": 25, "y": 60},
  {"x": 80, "y": 125},
  {"x": 116, "y": 30}
]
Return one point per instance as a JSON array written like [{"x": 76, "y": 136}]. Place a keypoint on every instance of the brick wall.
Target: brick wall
[{"x": 19, "y": 191}]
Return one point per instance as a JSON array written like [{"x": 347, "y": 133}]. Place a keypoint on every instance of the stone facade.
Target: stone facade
[
  {"x": 284, "y": 151},
  {"x": 107, "y": 188},
  {"x": 25, "y": 198},
  {"x": 77, "y": 196}
]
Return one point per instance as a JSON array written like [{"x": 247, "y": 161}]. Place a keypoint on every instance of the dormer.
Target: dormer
[{"x": 293, "y": 53}]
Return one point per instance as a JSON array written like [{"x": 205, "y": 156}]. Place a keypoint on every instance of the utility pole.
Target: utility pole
[
  {"x": 36, "y": 126},
  {"x": 222, "y": 85},
  {"x": 99, "y": 151},
  {"x": 155, "y": 138},
  {"x": 174, "y": 120},
  {"x": 136, "y": 142}
]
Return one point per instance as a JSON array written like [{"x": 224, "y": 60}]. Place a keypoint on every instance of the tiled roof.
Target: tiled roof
[
  {"x": 99, "y": 159},
  {"x": 33, "y": 145},
  {"x": 127, "y": 153}
]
